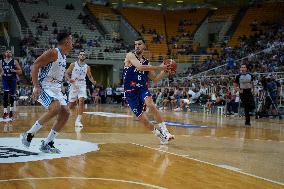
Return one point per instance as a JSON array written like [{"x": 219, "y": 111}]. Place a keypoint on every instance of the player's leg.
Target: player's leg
[
  {"x": 5, "y": 98},
  {"x": 12, "y": 97},
  {"x": 72, "y": 97},
  {"x": 47, "y": 145},
  {"x": 157, "y": 131},
  {"x": 53, "y": 110},
  {"x": 72, "y": 105},
  {"x": 82, "y": 95},
  {"x": 63, "y": 113},
  {"x": 146, "y": 96},
  {"x": 80, "y": 112}
]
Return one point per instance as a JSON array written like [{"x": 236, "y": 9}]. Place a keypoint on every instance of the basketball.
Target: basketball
[{"x": 173, "y": 65}]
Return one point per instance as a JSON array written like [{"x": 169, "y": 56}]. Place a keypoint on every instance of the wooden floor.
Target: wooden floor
[{"x": 211, "y": 152}]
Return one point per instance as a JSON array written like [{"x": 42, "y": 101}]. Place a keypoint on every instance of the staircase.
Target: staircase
[{"x": 237, "y": 21}]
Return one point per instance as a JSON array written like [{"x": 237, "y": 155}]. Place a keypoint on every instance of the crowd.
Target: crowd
[{"x": 263, "y": 52}]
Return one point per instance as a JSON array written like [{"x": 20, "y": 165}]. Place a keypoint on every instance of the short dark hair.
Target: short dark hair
[
  {"x": 244, "y": 64},
  {"x": 140, "y": 39},
  {"x": 62, "y": 36}
]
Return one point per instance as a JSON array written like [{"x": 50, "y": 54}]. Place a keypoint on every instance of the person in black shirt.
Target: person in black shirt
[{"x": 244, "y": 81}]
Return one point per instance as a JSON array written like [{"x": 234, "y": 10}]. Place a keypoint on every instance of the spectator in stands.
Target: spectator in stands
[
  {"x": 231, "y": 64},
  {"x": 96, "y": 96},
  {"x": 55, "y": 31},
  {"x": 45, "y": 28},
  {"x": 54, "y": 24},
  {"x": 80, "y": 16}
]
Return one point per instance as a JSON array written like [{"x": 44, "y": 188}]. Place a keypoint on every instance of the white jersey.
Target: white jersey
[
  {"x": 79, "y": 73},
  {"x": 50, "y": 78},
  {"x": 52, "y": 74}
]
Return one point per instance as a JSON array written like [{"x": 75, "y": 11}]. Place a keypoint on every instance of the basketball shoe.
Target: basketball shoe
[
  {"x": 27, "y": 139},
  {"x": 49, "y": 148}
]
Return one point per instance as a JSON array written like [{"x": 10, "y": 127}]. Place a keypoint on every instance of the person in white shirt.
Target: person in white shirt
[
  {"x": 47, "y": 77},
  {"x": 76, "y": 75}
]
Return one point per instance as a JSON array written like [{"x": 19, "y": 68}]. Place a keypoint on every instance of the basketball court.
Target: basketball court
[{"x": 113, "y": 150}]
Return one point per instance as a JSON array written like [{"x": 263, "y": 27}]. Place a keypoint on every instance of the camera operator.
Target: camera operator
[{"x": 245, "y": 82}]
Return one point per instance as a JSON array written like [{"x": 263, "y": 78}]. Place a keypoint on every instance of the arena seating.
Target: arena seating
[{"x": 269, "y": 13}]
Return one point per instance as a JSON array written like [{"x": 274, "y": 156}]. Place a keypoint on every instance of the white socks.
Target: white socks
[
  {"x": 51, "y": 136},
  {"x": 79, "y": 118},
  {"x": 35, "y": 128},
  {"x": 162, "y": 125}
]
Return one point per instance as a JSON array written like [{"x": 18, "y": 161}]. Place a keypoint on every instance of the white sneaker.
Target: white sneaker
[
  {"x": 161, "y": 108},
  {"x": 160, "y": 134},
  {"x": 166, "y": 133},
  {"x": 78, "y": 124}
]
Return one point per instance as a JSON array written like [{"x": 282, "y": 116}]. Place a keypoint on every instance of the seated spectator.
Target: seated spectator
[
  {"x": 54, "y": 24},
  {"x": 96, "y": 97}
]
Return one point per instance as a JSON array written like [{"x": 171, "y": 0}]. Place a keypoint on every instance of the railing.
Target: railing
[
  {"x": 111, "y": 17},
  {"x": 239, "y": 60}
]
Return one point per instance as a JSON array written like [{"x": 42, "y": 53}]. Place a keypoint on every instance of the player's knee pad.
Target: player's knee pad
[{"x": 5, "y": 99}]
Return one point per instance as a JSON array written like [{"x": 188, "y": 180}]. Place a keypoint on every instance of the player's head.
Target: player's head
[
  {"x": 8, "y": 54},
  {"x": 65, "y": 40},
  {"x": 139, "y": 45},
  {"x": 243, "y": 68},
  {"x": 82, "y": 55}
]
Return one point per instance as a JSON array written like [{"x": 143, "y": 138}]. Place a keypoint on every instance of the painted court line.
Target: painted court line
[
  {"x": 87, "y": 178},
  {"x": 216, "y": 165}
]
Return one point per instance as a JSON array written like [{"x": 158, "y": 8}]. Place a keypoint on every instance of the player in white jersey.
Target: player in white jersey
[
  {"x": 78, "y": 91},
  {"x": 47, "y": 76}
]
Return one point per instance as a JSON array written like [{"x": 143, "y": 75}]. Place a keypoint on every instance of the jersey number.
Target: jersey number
[{"x": 139, "y": 77}]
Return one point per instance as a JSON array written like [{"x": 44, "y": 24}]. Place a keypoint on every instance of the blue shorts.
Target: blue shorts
[
  {"x": 9, "y": 85},
  {"x": 136, "y": 100}
]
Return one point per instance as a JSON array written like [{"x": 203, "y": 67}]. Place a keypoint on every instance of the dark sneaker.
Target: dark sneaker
[
  {"x": 5, "y": 115},
  {"x": 11, "y": 114}
]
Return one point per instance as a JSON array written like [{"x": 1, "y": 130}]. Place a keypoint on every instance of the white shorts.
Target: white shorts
[
  {"x": 49, "y": 94},
  {"x": 76, "y": 92}
]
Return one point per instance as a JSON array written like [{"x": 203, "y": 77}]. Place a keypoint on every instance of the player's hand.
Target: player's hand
[
  {"x": 166, "y": 68},
  {"x": 72, "y": 81},
  {"x": 36, "y": 92}
]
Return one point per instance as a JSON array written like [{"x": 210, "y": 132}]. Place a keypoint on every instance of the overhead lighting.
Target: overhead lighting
[
  {"x": 114, "y": 3},
  {"x": 179, "y": 1},
  {"x": 140, "y": 2},
  {"x": 159, "y": 4}
]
